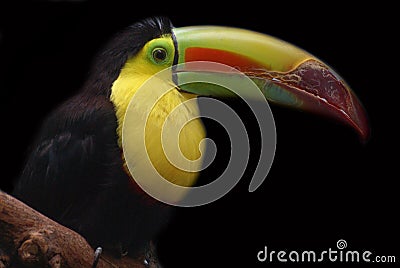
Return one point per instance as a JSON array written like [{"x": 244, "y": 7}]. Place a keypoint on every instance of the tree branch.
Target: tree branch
[{"x": 30, "y": 239}]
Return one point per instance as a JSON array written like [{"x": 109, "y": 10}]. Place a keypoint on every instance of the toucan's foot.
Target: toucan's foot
[
  {"x": 122, "y": 251},
  {"x": 150, "y": 256},
  {"x": 97, "y": 255}
]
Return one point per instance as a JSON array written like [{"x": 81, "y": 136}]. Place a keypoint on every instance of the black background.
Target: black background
[{"x": 324, "y": 185}]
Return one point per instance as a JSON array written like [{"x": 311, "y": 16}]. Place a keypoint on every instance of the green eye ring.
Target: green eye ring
[
  {"x": 160, "y": 51},
  {"x": 159, "y": 55}
]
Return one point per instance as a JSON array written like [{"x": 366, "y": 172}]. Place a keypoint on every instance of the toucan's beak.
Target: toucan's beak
[{"x": 284, "y": 73}]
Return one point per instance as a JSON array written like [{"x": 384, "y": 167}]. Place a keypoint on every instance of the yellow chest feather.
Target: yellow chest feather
[{"x": 172, "y": 132}]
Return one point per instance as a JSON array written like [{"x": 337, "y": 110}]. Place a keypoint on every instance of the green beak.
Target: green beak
[{"x": 285, "y": 74}]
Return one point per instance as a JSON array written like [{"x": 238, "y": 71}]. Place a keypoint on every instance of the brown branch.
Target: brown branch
[{"x": 30, "y": 239}]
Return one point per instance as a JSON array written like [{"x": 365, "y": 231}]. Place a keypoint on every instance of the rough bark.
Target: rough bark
[{"x": 30, "y": 239}]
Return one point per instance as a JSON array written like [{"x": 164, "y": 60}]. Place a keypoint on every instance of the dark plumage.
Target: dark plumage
[{"x": 75, "y": 173}]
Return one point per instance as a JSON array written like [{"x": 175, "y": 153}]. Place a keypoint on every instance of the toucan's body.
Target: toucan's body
[
  {"x": 75, "y": 176},
  {"x": 76, "y": 172}
]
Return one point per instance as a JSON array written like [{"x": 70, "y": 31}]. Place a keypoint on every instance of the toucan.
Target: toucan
[{"x": 76, "y": 172}]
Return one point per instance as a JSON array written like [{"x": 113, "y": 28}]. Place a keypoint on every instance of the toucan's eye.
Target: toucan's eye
[{"x": 159, "y": 54}]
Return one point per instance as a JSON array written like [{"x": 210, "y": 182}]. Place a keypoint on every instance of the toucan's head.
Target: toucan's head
[{"x": 284, "y": 74}]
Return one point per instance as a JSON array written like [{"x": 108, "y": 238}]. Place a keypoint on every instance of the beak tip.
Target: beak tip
[
  {"x": 339, "y": 100},
  {"x": 364, "y": 131},
  {"x": 359, "y": 119}
]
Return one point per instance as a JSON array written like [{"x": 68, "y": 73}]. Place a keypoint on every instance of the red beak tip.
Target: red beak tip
[{"x": 364, "y": 133}]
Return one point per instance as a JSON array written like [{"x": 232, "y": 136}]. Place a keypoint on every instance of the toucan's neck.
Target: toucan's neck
[{"x": 122, "y": 92}]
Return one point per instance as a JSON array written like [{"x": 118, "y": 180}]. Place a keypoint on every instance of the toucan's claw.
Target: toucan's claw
[
  {"x": 150, "y": 256},
  {"x": 97, "y": 255}
]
